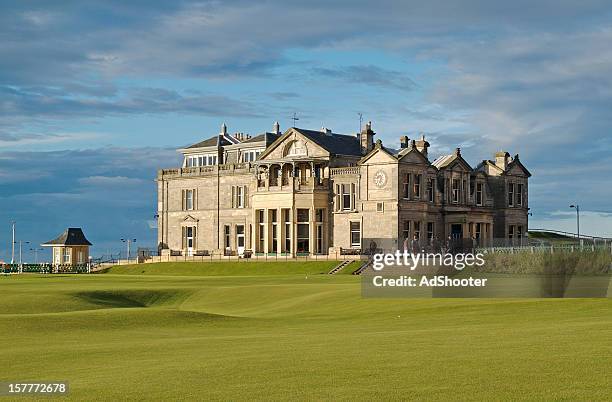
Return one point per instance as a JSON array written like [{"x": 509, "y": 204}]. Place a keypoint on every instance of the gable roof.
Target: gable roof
[
  {"x": 516, "y": 162},
  {"x": 378, "y": 147},
  {"x": 447, "y": 160},
  {"x": 339, "y": 144},
  {"x": 406, "y": 151},
  {"x": 487, "y": 162},
  {"x": 70, "y": 237}
]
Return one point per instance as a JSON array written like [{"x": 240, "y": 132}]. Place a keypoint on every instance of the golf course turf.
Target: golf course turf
[{"x": 283, "y": 330}]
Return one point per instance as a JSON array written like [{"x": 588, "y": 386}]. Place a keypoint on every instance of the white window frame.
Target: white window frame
[
  {"x": 67, "y": 255},
  {"x": 227, "y": 237},
  {"x": 407, "y": 186},
  {"x": 240, "y": 196},
  {"x": 479, "y": 193},
  {"x": 455, "y": 192},
  {"x": 345, "y": 190},
  {"x": 431, "y": 233},
  {"x": 355, "y": 244},
  {"x": 417, "y": 185},
  {"x": 189, "y": 204}
]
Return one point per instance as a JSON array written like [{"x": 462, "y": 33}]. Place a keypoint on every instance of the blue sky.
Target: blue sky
[{"x": 95, "y": 96}]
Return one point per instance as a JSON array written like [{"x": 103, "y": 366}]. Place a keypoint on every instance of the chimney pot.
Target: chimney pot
[{"x": 502, "y": 159}]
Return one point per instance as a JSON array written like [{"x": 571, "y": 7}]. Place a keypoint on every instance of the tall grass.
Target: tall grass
[{"x": 559, "y": 262}]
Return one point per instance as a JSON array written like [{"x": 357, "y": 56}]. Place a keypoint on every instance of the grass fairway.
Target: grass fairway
[{"x": 199, "y": 331}]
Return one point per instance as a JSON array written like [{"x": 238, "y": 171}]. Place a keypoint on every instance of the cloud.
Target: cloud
[
  {"x": 592, "y": 223},
  {"x": 51, "y": 103},
  {"x": 20, "y": 138},
  {"x": 223, "y": 39},
  {"x": 532, "y": 78},
  {"x": 110, "y": 192},
  {"x": 111, "y": 181},
  {"x": 369, "y": 75}
]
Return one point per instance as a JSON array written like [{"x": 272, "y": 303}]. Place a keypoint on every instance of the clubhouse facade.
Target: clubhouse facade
[{"x": 305, "y": 192}]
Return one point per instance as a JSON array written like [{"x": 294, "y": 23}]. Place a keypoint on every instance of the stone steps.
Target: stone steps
[
  {"x": 340, "y": 266},
  {"x": 363, "y": 267}
]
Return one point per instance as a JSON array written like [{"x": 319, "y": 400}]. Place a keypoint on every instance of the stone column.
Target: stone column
[
  {"x": 313, "y": 231},
  {"x": 266, "y": 231}
]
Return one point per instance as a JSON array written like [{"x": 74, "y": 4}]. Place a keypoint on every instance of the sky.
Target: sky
[{"x": 96, "y": 96}]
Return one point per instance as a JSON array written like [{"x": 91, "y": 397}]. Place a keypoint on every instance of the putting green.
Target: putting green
[{"x": 283, "y": 331}]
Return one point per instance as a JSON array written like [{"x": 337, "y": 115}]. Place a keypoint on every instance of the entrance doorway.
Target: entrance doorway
[
  {"x": 456, "y": 231},
  {"x": 190, "y": 236},
  {"x": 240, "y": 239}
]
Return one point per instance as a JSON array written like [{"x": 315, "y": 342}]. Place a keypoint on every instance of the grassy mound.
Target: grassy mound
[
  {"x": 223, "y": 268},
  {"x": 577, "y": 262}
]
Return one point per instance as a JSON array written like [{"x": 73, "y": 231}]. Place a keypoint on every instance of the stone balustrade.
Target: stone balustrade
[
  {"x": 206, "y": 170},
  {"x": 351, "y": 170}
]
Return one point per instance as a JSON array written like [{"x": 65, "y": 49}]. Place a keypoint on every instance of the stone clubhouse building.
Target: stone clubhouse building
[{"x": 305, "y": 192}]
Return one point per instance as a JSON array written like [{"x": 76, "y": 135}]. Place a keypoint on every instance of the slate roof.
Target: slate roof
[
  {"x": 214, "y": 141},
  {"x": 221, "y": 141},
  {"x": 516, "y": 162},
  {"x": 339, "y": 144},
  {"x": 444, "y": 160},
  {"x": 268, "y": 138},
  {"x": 70, "y": 237}
]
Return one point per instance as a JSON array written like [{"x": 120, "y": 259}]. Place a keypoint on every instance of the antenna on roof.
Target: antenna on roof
[
  {"x": 294, "y": 118},
  {"x": 360, "y": 120}
]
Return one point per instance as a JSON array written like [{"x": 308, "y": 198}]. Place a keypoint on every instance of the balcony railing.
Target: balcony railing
[
  {"x": 206, "y": 170},
  {"x": 351, "y": 170},
  {"x": 293, "y": 183}
]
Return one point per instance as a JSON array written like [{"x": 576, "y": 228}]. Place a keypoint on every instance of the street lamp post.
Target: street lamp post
[
  {"x": 577, "y": 207},
  {"x": 13, "y": 244},
  {"x": 128, "y": 242},
  {"x": 21, "y": 243},
  {"x": 36, "y": 250}
]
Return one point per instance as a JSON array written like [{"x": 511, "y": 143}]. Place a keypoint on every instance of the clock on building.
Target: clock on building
[{"x": 380, "y": 179}]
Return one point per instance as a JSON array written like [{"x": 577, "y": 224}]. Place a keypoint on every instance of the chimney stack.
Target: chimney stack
[
  {"x": 458, "y": 151},
  {"x": 404, "y": 141},
  {"x": 422, "y": 145},
  {"x": 502, "y": 159},
  {"x": 366, "y": 138},
  {"x": 276, "y": 128}
]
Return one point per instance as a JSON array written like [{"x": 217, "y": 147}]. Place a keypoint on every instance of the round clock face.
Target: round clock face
[{"x": 380, "y": 178}]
